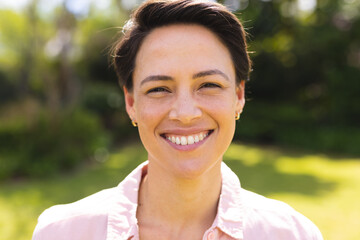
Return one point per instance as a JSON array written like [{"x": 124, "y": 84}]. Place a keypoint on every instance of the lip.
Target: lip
[{"x": 186, "y": 133}]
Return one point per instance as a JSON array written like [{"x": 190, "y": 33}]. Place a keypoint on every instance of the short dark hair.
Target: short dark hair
[{"x": 157, "y": 13}]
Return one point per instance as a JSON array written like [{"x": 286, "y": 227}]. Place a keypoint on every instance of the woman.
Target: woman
[{"x": 183, "y": 66}]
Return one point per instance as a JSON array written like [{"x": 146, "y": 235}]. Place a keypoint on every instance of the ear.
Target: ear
[
  {"x": 129, "y": 103},
  {"x": 240, "y": 93}
]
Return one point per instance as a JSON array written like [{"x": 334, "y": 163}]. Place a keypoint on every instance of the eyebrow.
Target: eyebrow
[
  {"x": 209, "y": 73},
  {"x": 156, "y": 78},
  {"x": 196, "y": 75}
]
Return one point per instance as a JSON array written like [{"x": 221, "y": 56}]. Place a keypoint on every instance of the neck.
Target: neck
[{"x": 179, "y": 203}]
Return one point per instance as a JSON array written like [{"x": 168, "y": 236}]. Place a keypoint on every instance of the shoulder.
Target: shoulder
[
  {"x": 275, "y": 218},
  {"x": 92, "y": 218},
  {"x": 86, "y": 218}
]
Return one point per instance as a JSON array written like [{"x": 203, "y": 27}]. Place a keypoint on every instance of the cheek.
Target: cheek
[
  {"x": 149, "y": 112},
  {"x": 222, "y": 110},
  {"x": 224, "y": 104}
]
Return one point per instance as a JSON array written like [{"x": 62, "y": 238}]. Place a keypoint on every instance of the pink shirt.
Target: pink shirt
[{"x": 111, "y": 215}]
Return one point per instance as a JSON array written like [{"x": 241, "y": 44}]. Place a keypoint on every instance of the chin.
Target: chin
[{"x": 192, "y": 169}]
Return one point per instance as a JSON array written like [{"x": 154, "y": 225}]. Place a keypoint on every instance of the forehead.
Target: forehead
[
  {"x": 192, "y": 46},
  {"x": 180, "y": 35}
]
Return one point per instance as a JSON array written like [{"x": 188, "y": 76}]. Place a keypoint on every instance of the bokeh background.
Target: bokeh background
[{"x": 64, "y": 132}]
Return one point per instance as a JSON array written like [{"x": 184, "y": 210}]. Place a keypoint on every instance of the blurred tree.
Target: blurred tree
[
  {"x": 307, "y": 71},
  {"x": 62, "y": 89},
  {"x": 307, "y": 59}
]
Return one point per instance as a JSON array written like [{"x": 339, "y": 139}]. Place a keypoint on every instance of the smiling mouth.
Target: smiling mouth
[{"x": 187, "y": 139}]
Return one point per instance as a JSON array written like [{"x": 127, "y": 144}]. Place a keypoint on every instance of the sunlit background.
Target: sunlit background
[{"x": 63, "y": 121}]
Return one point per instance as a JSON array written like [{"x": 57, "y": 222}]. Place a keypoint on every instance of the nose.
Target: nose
[{"x": 185, "y": 108}]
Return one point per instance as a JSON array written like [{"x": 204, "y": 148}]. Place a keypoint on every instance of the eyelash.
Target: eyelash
[
  {"x": 157, "y": 89},
  {"x": 210, "y": 85},
  {"x": 163, "y": 89}
]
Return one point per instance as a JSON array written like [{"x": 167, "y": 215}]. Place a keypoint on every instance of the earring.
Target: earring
[
  {"x": 134, "y": 123},
  {"x": 237, "y": 115}
]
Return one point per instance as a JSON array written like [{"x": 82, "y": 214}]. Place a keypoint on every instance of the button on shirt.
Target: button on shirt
[{"x": 111, "y": 215}]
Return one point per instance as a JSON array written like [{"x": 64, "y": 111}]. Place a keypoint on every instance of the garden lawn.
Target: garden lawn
[{"x": 324, "y": 188}]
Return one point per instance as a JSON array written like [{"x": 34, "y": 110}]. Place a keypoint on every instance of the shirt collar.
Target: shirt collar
[
  {"x": 230, "y": 214},
  {"x": 122, "y": 222}
]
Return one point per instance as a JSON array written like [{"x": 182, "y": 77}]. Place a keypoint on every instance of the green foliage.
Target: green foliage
[
  {"x": 103, "y": 99},
  {"x": 288, "y": 125},
  {"x": 304, "y": 90},
  {"x": 107, "y": 101},
  {"x": 7, "y": 89},
  {"x": 51, "y": 144},
  {"x": 307, "y": 61}
]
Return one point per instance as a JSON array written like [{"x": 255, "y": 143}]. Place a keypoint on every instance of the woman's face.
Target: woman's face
[{"x": 184, "y": 99}]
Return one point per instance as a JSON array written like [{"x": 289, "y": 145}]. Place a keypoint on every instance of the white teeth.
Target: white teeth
[
  {"x": 201, "y": 137},
  {"x": 187, "y": 140},
  {"x": 190, "y": 140},
  {"x": 183, "y": 141}
]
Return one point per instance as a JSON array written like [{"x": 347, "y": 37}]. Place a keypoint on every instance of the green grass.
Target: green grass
[{"x": 324, "y": 188}]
